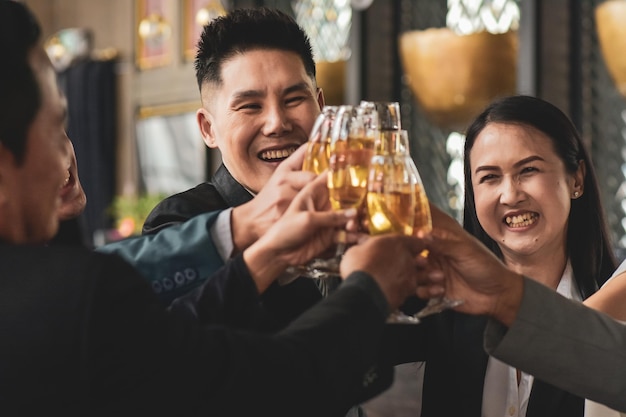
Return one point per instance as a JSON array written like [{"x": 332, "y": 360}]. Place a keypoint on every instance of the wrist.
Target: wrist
[
  {"x": 242, "y": 231},
  {"x": 263, "y": 264},
  {"x": 508, "y": 301}
]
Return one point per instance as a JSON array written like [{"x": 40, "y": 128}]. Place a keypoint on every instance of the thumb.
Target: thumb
[
  {"x": 294, "y": 162},
  {"x": 333, "y": 218},
  {"x": 416, "y": 245}
]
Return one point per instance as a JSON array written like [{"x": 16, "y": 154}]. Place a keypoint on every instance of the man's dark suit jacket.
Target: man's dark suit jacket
[
  {"x": 281, "y": 303},
  {"x": 82, "y": 334}
]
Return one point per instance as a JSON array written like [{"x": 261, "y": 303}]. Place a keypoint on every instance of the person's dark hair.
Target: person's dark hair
[
  {"x": 243, "y": 30},
  {"x": 588, "y": 242},
  {"x": 20, "y": 97}
]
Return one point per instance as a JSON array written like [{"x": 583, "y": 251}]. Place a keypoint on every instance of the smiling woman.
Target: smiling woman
[
  {"x": 532, "y": 197},
  {"x": 525, "y": 161}
]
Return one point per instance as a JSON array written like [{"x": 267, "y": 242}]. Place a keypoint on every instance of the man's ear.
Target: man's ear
[
  {"x": 320, "y": 98},
  {"x": 205, "y": 123}
]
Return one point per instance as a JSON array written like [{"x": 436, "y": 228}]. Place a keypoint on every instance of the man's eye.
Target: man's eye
[
  {"x": 527, "y": 170},
  {"x": 295, "y": 100},
  {"x": 249, "y": 106}
]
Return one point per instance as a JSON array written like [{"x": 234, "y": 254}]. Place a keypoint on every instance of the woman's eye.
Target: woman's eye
[
  {"x": 527, "y": 170},
  {"x": 486, "y": 178}
]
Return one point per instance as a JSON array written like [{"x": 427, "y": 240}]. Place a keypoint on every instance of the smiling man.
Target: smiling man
[
  {"x": 258, "y": 111},
  {"x": 256, "y": 76}
]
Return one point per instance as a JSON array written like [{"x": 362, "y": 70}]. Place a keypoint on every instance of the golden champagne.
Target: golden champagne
[
  {"x": 423, "y": 221},
  {"x": 349, "y": 168},
  {"x": 316, "y": 157},
  {"x": 391, "y": 212}
]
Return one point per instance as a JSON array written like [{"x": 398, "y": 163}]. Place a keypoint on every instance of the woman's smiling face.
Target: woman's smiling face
[{"x": 522, "y": 190}]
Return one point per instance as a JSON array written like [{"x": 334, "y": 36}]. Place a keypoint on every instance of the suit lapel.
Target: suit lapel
[
  {"x": 547, "y": 400},
  {"x": 470, "y": 360},
  {"x": 233, "y": 193}
]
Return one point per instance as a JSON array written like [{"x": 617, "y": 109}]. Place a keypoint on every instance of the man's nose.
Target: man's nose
[{"x": 276, "y": 121}]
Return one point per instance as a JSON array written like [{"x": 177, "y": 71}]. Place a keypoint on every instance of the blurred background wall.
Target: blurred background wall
[{"x": 558, "y": 59}]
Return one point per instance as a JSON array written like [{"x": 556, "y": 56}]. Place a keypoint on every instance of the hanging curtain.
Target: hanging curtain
[{"x": 90, "y": 87}]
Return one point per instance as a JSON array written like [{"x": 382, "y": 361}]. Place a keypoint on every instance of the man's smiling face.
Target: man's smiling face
[{"x": 262, "y": 111}]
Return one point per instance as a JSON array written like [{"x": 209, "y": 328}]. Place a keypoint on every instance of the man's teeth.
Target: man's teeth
[
  {"x": 277, "y": 154},
  {"x": 522, "y": 220}
]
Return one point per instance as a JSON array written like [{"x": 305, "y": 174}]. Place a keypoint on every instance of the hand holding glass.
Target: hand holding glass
[{"x": 397, "y": 203}]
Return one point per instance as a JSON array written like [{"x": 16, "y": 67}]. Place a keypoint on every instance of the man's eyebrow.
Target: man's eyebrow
[
  {"x": 244, "y": 94},
  {"x": 297, "y": 87}
]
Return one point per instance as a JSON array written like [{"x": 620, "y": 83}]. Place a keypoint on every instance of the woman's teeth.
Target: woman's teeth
[{"x": 522, "y": 220}]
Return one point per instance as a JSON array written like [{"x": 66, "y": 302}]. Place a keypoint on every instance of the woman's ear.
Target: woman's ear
[{"x": 578, "y": 187}]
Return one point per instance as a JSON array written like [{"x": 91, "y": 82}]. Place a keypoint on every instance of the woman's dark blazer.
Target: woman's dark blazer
[{"x": 451, "y": 345}]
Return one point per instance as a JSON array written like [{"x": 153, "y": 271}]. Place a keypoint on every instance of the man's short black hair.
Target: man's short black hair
[{"x": 242, "y": 30}]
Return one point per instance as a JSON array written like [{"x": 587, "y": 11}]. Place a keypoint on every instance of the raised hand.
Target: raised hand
[
  {"x": 467, "y": 270},
  {"x": 251, "y": 220},
  {"x": 392, "y": 260},
  {"x": 306, "y": 228}
]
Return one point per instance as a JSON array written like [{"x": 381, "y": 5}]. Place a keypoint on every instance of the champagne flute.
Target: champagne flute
[
  {"x": 388, "y": 121},
  {"x": 352, "y": 144},
  {"x": 392, "y": 200},
  {"x": 318, "y": 149},
  {"x": 422, "y": 222},
  {"x": 316, "y": 161},
  {"x": 350, "y": 148}
]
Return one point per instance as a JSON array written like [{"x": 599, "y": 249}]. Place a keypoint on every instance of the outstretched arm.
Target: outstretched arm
[
  {"x": 611, "y": 298},
  {"x": 535, "y": 329},
  {"x": 465, "y": 269}
]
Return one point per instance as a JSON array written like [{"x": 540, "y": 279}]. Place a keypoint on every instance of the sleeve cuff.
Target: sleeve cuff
[
  {"x": 221, "y": 234},
  {"x": 364, "y": 281}
]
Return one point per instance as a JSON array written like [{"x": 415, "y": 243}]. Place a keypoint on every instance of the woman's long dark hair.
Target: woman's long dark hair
[{"x": 588, "y": 244}]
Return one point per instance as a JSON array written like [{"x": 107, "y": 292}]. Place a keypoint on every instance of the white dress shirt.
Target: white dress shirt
[
  {"x": 222, "y": 237},
  {"x": 502, "y": 396}
]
